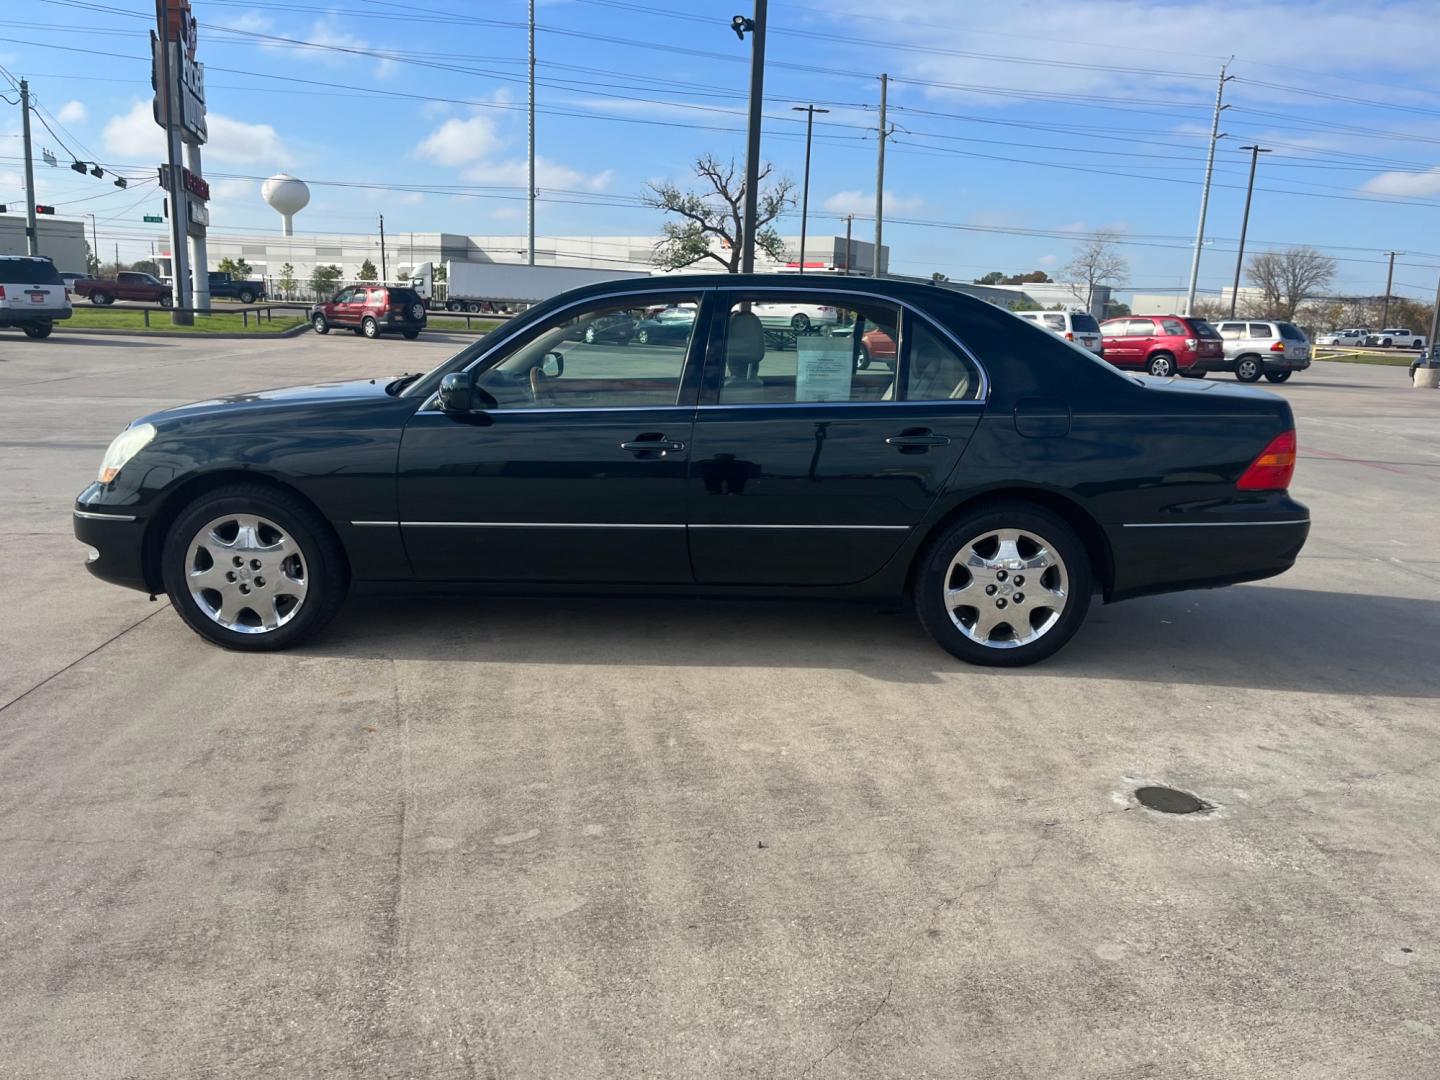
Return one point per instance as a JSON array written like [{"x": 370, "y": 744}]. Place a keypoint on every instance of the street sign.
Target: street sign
[
  {"x": 49, "y": 158},
  {"x": 154, "y": 219}
]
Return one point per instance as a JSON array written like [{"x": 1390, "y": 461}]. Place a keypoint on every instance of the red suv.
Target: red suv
[
  {"x": 372, "y": 310},
  {"x": 1160, "y": 344}
]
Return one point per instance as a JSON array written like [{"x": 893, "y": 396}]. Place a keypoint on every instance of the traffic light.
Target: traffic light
[{"x": 44, "y": 209}]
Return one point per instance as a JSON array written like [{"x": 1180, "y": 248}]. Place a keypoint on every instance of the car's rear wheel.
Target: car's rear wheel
[
  {"x": 320, "y": 325},
  {"x": 1161, "y": 364},
  {"x": 642, "y": 336},
  {"x": 247, "y": 297},
  {"x": 166, "y": 302},
  {"x": 1193, "y": 374},
  {"x": 410, "y": 335},
  {"x": 800, "y": 322},
  {"x": 1248, "y": 369},
  {"x": 472, "y": 308},
  {"x": 252, "y": 568},
  {"x": 1004, "y": 586},
  {"x": 39, "y": 330},
  {"x": 369, "y": 327},
  {"x": 100, "y": 299},
  {"x": 590, "y": 335},
  {"x": 1278, "y": 376}
]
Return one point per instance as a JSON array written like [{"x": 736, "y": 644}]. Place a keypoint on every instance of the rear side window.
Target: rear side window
[
  {"x": 937, "y": 371},
  {"x": 1173, "y": 327},
  {"x": 1261, "y": 330},
  {"x": 28, "y": 272},
  {"x": 1082, "y": 323},
  {"x": 1291, "y": 332},
  {"x": 1055, "y": 322}
]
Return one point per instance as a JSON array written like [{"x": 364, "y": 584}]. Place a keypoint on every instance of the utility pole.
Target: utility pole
[
  {"x": 530, "y": 190},
  {"x": 179, "y": 226},
  {"x": 809, "y": 111},
  {"x": 849, "y": 220},
  {"x": 756, "y": 26},
  {"x": 880, "y": 182},
  {"x": 384, "y": 271},
  {"x": 1389, "y": 280},
  {"x": 1255, "y": 152},
  {"x": 95, "y": 246},
  {"x": 1215, "y": 136},
  {"x": 1434, "y": 328},
  {"x": 32, "y": 239}
]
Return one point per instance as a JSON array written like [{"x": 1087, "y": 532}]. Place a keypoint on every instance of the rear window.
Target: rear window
[
  {"x": 1290, "y": 332},
  {"x": 1203, "y": 329},
  {"x": 1084, "y": 324},
  {"x": 29, "y": 272}
]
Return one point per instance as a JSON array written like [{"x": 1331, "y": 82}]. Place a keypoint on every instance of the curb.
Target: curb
[{"x": 115, "y": 331}]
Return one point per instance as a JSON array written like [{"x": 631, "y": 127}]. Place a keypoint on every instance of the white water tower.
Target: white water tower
[{"x": 287, "y": 196}]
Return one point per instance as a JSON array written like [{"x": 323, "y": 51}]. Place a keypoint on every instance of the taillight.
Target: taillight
[
  {"x": 1274, "y": 468},
  {"x": 1279, "y": 346},
  {"x": 2, "y": 292},
  {"x": 1191, "y": 343},
  {"x": 1069, "y": 336}
]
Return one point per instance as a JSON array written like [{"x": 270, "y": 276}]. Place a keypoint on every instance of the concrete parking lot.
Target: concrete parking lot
[{"x": 611, "y": 838}]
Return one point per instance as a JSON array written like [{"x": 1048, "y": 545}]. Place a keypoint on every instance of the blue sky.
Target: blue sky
[{"x": 1019, "y": 127}]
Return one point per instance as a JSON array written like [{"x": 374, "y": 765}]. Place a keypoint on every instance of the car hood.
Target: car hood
[{"x": 315, "y": 394}]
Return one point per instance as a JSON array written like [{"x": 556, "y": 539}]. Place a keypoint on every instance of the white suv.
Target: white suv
[
  {"x": 1352, "y": 336},
  {"x": 798, "y": 317},
  {"x": 32, "y": 294},
  {"x": 1077, "y": 326}
]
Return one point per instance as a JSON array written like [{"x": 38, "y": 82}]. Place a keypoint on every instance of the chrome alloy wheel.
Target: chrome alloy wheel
[
  {"x": 246, "y": 573},
  {"x": 1006, "y": 588}
]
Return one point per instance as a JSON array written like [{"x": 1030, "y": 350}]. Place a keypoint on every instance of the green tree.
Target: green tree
[
  {"x": 994, "y": 277},
  {"x": 323, "y": 280},
  {"x": 286, "y": 280},
  {"x": 367, "y": 271},
  {"x": 1114, "y": 309},
  {"x": 716, "y": 214},
  {"x": 234, "y": 267},
  {"x": 92, "y": 263},
  {"x": 146, "y": 266}
]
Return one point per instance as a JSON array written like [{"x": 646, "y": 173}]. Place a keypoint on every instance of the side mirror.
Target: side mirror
[
  {"x": 553, "y": 365},
  {"x": 459, "y": 394}
]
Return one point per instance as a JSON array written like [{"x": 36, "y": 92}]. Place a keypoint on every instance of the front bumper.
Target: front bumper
[{"x": 118, "y": 540}]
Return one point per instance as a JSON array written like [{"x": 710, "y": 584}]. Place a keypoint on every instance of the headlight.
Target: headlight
[{"x": 124, "y": 447}]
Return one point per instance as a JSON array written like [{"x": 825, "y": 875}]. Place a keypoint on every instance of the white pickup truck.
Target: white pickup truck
[{"x": 1396, "y": 338}]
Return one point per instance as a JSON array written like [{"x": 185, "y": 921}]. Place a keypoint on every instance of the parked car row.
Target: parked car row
[{"x": 1397, "y": 337}]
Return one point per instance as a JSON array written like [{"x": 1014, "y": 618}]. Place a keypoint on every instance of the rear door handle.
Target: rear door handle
[
  {"x": 916, "y": 442},
  {"x": 652, "y": 444}
]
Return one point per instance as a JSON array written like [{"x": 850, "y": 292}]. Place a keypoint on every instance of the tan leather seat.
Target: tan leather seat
[{"x": 744, "y": 349}]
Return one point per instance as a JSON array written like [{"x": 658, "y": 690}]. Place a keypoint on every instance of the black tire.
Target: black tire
[
  {"x": 935, "y": 562},
  {"x": 410, "y": 335},
  {"x": 590, "y": 335},
  {"x": 472, "y": 308},
  {"x": 800, "y": 322},
  {"x": 100, "y": 299},
  {"x": 319, "y": 323},
  {"x": 166, "y": 302},
  {"x": 369, "y": 327},
  {"x": 1278, "y": 376},
  {"x": 1248, "y": 369},
  {"x": 1161, "y": 365},
  {"x": 39, "y": 331},
  {"x": 642, "y": 336},
  {"x": 324, "y": 562},
  {"x": 862, "y": 358},
  {"x": 247, "y": 297},
  {"x": 1193, "y": 374}
]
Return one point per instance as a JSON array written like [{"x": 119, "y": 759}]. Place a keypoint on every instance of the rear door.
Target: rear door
[
  {"x": 1086, "y": 330},
  {"x": 807, "y": 469},
  {"x": 31, "y": 288}
]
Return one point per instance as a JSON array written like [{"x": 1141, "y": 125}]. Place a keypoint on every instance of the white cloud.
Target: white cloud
[
  {"x": 1047, "y": 260},
  {"x": 72, "y": 112},
  {"x": 457, "y": 141},
  {"x": 548, "y": 174},
  {"x": 863, "y": 203},
  {"x": 1410, "y": 184},
  {"x": 133, "y": 137},
  {"x": 248, "y": 22}
]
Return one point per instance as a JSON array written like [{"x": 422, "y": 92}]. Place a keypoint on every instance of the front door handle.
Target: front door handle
[
  {"x": 916, "y": 440},
  {"x": 649, "y": 445}
]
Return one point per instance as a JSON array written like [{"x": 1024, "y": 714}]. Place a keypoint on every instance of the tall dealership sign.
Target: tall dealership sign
[{"x": 179, "y": 108}]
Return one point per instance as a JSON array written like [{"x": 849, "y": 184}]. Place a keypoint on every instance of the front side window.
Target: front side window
[
  {"x": 1139, "y": 328},
  {"x": 842, "y": 350},
  {"x": 610, "y": 353},
  {"x": 937, "y": 370}
]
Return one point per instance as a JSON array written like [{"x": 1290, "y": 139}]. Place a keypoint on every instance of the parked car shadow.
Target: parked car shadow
[{"x": 1254, "y": 636}]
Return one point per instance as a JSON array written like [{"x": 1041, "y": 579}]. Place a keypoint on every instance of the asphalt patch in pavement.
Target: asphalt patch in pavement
[{"x": 1171, "y": 801}]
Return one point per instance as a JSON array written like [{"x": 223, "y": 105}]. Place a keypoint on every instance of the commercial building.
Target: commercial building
[{"x": 61, "y": 240}]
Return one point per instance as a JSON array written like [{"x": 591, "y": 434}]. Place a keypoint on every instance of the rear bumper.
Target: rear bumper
[
  {"x": 117, "y": 541},
  {"x": 25, "y": 317},
  {"x": 1195, "y": 553},
  {"x": 1281, "y": 363}
]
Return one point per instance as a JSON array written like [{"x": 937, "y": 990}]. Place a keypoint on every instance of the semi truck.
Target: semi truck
[{"x": 476, "y": 286}]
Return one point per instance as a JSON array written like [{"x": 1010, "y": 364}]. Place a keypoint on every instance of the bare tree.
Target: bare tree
[
  {"x": 717, "y": 214},
  {"x": 1286, "y": 279},
  {"x": 1097, "y": 262}
]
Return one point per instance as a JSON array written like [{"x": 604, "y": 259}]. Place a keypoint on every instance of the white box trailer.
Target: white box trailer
[{"x": 475, "y": 286}]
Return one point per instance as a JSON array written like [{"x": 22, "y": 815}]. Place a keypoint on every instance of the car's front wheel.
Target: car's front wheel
[
  {"x": 166, "y": 302},
  {"x": 1278, "y": 376},
  {"x": 862, "y": 358},
  {"x": 247, "y": 297},
  {"x": 800, "y": 322},
  {"x": 251, "y": 567},
  {"x": 320, "y": 325},
  {"x": 1248, "y": 369},
  {"x": 642, "y": 336},
  {"x": 1004, "y": 586},
  {"x": 369, "y": 327},
  {"x": 39, "y": 330},
  {"x": 410, "y": 335}
]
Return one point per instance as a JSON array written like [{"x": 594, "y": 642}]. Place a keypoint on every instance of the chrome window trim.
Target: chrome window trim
[
  {"x": 92, "y": 515},
  {"x": 1207, "y": 524},
  {"x": 843, "y": 404},
  {"x": 717, "y": 525},
  {"x": 904, "y": 305},
  {"x": 576, "y": 409}
]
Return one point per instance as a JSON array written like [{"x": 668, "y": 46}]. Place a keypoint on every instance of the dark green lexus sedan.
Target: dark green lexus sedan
[{"x": 995, "y": 475}]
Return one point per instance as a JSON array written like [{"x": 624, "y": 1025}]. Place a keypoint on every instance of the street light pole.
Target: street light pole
[
  {"x": 530, "y": 172},
  {"x": 384, "y": 270},
  {"x": 880, "y": 181},
  {"x": 1389, "y": 280},
  {"x": 756, "y": 26},
  {"x": 1255, "y": 152},
  {"x": 1215, "y": 136},
  {"x": 809, "y": 111}
]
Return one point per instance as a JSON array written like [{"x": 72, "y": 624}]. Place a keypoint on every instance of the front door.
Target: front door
[
  {"x": 807, "y": 468},
  {"x": 576, "y": 475}
]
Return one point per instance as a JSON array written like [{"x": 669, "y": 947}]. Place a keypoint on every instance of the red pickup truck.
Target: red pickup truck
[{"x": 128, "y": 285}]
